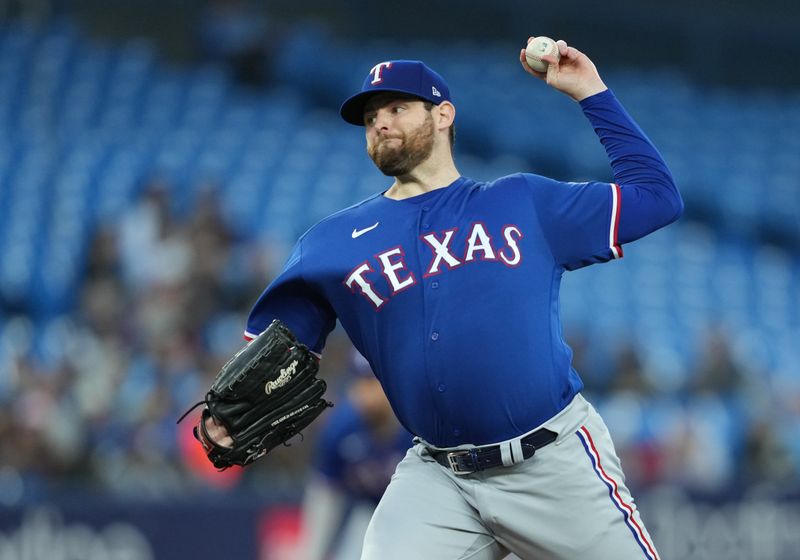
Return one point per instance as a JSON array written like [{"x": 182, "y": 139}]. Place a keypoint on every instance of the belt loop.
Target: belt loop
[
  {"x": 505, "y": 454},
  {"x": 516, "y": 451}
]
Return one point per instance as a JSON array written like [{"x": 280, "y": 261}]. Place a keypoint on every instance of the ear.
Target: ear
[{"x": 446, "y": 114}]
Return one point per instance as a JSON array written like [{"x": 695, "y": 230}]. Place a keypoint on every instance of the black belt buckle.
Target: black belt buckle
[{"x": 453, "y": 458}]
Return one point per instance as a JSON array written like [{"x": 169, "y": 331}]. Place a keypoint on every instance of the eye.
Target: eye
[
  {"x": 369, "y": 120},
  {"x": 398, "y": 108}
]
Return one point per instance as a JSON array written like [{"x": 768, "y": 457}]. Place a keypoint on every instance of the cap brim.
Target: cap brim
[{"x": 352, "y": 110}]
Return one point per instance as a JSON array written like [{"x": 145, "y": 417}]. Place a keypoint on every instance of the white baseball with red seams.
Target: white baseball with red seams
[{"x": 537, "y": 48}]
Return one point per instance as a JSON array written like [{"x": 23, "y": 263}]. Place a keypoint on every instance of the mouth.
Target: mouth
[{"x": 390, "y": 143}]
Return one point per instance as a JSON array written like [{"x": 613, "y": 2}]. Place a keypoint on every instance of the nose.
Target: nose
[{"x": 382, "y": 119}]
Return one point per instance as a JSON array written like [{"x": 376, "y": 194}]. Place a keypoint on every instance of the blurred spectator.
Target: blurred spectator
[
  {"x": 154, "y": 248},
  {"x": 629, "y": 371},
  {"x": 717, "y": 370},
  {"x": 357, "y": 453},
  {"x": 765, "y": 459},
  {"x": 697, "y": 452}
]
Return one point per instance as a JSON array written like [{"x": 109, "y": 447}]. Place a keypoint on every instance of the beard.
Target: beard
[{"x": 401, "y": 158}]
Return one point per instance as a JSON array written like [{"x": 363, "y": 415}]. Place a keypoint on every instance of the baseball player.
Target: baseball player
[
  {"x": 357, "y": 452},
  {"x": 449, "y": 287}
]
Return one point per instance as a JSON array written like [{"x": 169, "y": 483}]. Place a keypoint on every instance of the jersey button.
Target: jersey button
[
  {"x": 435, "y": 336},
  {"x": 425, "y": 208},
  {"x": 441, "y": 387},
  {"x": 426, "y": 226},
  {"x": 456, "y": 432},
  {"x": 434, "y": 284}
]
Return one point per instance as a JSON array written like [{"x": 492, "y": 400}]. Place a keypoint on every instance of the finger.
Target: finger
[
  {"x": 572, "y": 53},
  {"x": 524, "y": 62},
  {"x": 219, "y": 436},
  {"x": 562, "y": 47},
  {"x": 530, "y": 39},
  {"x": 552, "y": 72},
  {"x": 550, "y": 59},
  {"x": 217, "y": 432}
]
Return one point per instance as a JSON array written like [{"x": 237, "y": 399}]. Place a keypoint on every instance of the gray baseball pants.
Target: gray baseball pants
[{"x": 567, "y": 502}]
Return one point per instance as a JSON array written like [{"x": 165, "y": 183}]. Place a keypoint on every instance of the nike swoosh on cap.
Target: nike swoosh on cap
[{"x": 359, "y": 232}]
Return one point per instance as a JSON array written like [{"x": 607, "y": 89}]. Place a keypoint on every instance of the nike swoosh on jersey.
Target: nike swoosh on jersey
[{"x": 360, "y": 232}]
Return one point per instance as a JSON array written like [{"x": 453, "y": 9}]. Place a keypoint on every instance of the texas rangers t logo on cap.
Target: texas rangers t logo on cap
[{"x": 377, "y": 69}]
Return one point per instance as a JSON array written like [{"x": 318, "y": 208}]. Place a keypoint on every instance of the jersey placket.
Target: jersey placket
[{"x": 431, "y": 285}]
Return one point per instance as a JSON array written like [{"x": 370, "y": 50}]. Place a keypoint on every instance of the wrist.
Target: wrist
[{"x": 589, "y": 90}]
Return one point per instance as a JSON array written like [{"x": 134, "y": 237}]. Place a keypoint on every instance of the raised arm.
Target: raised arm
[{"x": 649, "y": 197}]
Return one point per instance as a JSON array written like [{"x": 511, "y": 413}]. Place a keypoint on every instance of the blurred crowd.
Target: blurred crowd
[
  {"x": 727, "y": 430},
  {"x": 90, "y": 400}
]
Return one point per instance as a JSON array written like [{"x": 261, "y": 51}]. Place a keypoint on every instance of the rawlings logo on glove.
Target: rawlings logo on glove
[
  {"x": 266, "y": 394},
  {"x": 283, "y": 378}
]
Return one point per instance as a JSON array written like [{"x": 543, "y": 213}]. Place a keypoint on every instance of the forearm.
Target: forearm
[{"x": 650, "y": 198}]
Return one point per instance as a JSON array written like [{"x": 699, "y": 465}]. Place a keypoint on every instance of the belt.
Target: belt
[{"x": 468, "y": 461}]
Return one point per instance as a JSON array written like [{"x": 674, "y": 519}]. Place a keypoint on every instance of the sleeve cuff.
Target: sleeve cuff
[{"x": 598, "y": 99}]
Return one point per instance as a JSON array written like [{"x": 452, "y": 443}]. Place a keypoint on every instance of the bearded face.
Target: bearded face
[{"x": 400, "y": 153}]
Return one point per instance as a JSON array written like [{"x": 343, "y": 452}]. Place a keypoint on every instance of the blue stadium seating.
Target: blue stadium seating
[{"x": 84, "y": 125}]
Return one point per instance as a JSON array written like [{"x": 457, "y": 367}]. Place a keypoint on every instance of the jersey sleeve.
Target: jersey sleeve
[
  {"x": 648, "y": 194},
  {"x": 579, "y": 221},
  {"x": 294, "y": 300},
  {"x": 585, "y": 223}
]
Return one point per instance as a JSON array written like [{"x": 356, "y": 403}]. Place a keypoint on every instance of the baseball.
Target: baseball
[{"x": 538, "y": 47}]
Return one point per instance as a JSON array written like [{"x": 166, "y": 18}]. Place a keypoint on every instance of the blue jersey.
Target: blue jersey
[
  {"x": 452, "y": 295},
  {"x": 352, "y": 458}
]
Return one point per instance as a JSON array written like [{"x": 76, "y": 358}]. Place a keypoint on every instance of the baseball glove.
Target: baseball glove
[{"x": 266, "y": 394}]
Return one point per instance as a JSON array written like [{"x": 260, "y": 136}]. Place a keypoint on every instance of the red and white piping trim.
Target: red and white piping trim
[
  {"x": 613, "y": 489},
  {"x": 616, "y": 204}
]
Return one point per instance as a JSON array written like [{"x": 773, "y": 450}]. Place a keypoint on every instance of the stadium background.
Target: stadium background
[{"x": 157, "y": 159}]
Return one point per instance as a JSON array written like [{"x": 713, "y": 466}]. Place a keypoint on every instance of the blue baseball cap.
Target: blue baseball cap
[{"x": 403, "y": 76}]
